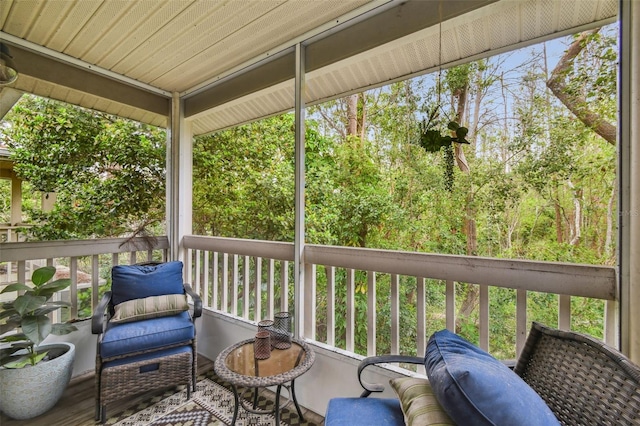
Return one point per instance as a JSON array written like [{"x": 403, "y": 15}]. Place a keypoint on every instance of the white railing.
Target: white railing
[
  {"x": 91, "y": 258},
  {"x": 347, "y": 290},
  {"x": 236, "y": 276}
]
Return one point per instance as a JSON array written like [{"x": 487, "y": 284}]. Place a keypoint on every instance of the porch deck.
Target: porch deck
[{"x": 76, "y": 407}]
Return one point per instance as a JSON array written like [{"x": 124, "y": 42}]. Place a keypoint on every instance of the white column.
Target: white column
[
  {"x": 299, "y": 241},
  {"x": 629, "y": 205},
  {"x": 179, "y": 179}
]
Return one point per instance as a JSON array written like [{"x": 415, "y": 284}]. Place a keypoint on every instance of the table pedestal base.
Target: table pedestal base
[{"x": 276, "y": 410}]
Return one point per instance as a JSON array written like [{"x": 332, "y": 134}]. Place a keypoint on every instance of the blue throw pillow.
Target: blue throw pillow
[
  {"x": 476, "y": 389},
  {"x": 137, "y": 281}
]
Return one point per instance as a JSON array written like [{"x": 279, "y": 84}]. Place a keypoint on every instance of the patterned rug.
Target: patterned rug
[{"x": 211, "y": 405}]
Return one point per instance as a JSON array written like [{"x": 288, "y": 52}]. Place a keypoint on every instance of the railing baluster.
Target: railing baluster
[
  {"x": 484, "y": 317},
  {"x": 521, "y": 319},
  {"x": 395, "y": 314},
  {"x": 310, "y": 301},
  {"x": 284, "y": 286},
  {"x": 564, "y": 312},
  {"x": 73, "y": 289},
  {"x": 246, "y": 288},
  {"x": 235, "y": 284},
  {"x": 257, "y": 316},
  {"x": 270, "y": 288},
  {"x": 204, "y": 295},
  {"x": 225, "y": 283},
  {"x": 450, "y": 305},
  {"x": 421, "y": 308},
  {"x": 196, "y": 284},
  {"x": 610, "y": 321},
  {"x": 351, "y": 310},
  {"x": 371, "y": 313},
  {"x": 95, "y": 280},
  {"x": 216, "y": 281},
  {"x": 331, "y": 305}
]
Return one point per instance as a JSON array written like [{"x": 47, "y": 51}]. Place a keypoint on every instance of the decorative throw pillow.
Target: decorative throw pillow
[
  {"x": 419, "y": 404},
  {"x": 150, "y": 307},
  {"x": 476, "y": 389},
  {"x": 138, "y": 281}
]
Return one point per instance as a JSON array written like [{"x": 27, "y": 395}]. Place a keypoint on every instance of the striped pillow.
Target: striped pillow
[
  {"x": 419, "y": 404},
  {"x": 150, "y": 307}
]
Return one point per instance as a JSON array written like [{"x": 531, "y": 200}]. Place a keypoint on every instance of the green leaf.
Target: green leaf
[
  {"x": 42, "y": 275},
  {"x": 28, "y": 303},
  {"x": 16, "y": 363},
  {"x": 55, "y": 286},
  {"x": 461, "y": 132},
  {"x": 15, "y": 287},
  {"x": 36, "y": 328}
]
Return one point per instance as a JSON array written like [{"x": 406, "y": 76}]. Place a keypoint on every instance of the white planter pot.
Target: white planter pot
[{"x": 30, "y": 391}]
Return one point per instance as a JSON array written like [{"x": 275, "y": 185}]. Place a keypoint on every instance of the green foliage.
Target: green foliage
[
  {"x": 108, "y": 173},
  {"x": 29, "y": 313}
]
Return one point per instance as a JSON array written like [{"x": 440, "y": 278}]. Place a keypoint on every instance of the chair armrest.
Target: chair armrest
[
  {"x": 100, "y": 314},
  {"x": 197, "y": 301},
  {"x": 384, "y": 359}
]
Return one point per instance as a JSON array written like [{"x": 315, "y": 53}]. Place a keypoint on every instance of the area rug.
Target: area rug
[{"x": 210, "y": 405}]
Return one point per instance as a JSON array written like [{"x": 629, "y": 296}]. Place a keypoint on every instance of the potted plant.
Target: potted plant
[{"x": 33, "y": 377}]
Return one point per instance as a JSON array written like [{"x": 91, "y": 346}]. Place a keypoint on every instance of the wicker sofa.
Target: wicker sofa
[{"x": 580, "y": 379}]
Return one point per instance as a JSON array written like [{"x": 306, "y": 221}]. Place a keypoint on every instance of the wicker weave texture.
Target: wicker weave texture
[
  {"x": 125, "y": 380},
  {"x": 581, "y": 379}
]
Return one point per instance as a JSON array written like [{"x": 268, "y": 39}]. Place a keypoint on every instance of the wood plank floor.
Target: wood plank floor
[{"x": 77, "y": 405}]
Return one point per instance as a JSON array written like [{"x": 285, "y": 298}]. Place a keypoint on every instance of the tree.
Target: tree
[
  {"x": 108, "y": 172},
  {"x": 577, "y": 96}
]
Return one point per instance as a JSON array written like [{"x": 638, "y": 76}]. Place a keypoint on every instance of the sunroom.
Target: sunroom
[{"x": 198, "y": 67}]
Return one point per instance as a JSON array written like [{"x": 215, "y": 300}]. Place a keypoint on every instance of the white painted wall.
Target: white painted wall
[{"x": 85, "y": 343}]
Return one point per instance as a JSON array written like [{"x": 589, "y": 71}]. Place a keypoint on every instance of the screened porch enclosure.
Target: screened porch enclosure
[{"x": 197, "y": 68}]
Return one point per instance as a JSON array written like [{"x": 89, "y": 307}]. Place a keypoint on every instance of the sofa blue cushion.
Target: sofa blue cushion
[
  {"x": 139, "y": 281},
  {"x": 363, "y": 412},
  {"x": 476, "y": 389},
  {"x": 149, "y": 334}
]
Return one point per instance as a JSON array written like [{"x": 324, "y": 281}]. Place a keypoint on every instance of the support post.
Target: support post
[
  {"x": 629, "y": 179},
  {"x": 299, "y": 241}
]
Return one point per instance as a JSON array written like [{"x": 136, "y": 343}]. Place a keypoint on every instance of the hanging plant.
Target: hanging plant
[{"x": 433, "y": 140}]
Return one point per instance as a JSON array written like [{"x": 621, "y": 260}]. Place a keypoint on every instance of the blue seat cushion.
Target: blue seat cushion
[
  {"x": 363, "y": 411},
  {"x": 149, "y": 356},
  {"x": 474, "y": 388},
  {"x": 125, "y": 338},
  {"x": 139, "y": 281}
]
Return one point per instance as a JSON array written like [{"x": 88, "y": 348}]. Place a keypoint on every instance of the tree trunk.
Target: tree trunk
[
  {"x": 558, "y": 211},
  {"x": 577, "y": 104},
  {"x": 352, "y": 115}
]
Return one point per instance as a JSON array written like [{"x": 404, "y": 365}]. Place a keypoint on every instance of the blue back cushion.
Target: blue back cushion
[
  {"x": 476, "y": 389},
  {"x": 136, "y": 281}
]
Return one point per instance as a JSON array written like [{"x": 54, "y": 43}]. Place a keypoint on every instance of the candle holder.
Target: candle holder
[
  {"x": 267, "y": 325},
  {"x": 282, "y": 330},
  {"x": 262, "y": 345}
]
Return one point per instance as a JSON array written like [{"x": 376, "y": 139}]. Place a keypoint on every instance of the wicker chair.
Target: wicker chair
[
  {"x": 581, "y": 379},
  {"x": 146, "y": 333}
]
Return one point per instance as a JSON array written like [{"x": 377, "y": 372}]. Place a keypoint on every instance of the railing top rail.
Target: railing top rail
[
  {"x": 549, "y": 277},
  {"x": 16, "y": 251},
  {"x": 260, "y": 248},
  {"x": 594, "y": 281}
]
